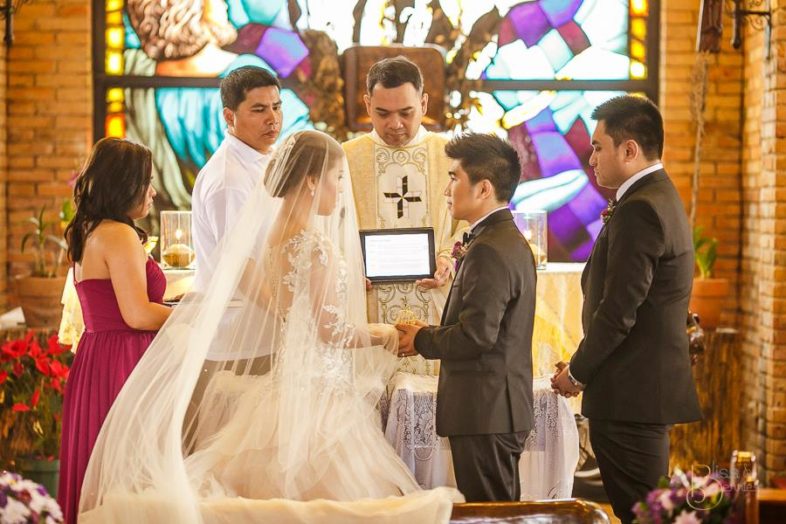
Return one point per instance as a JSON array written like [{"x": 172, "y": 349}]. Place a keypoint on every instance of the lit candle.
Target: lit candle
[{"x": 178, "y": 234}]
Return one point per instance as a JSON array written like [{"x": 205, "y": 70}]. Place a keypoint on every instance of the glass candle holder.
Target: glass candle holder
[
  {"x": 177, "y": 244},
  {"x": 533, "y": 225}
]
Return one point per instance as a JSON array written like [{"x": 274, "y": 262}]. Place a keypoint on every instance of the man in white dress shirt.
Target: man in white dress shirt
[{"x": 252, "y": 111}]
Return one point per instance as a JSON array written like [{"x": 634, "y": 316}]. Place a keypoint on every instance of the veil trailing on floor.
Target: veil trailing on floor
[{"x": 286, "y": 426}]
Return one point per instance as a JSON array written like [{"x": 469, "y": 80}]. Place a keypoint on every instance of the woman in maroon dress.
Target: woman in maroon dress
[{"x": 120, "y": 290}]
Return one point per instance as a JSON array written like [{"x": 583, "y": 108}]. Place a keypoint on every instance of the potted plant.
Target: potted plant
[
  {"x": 39, "y": 292},
  {"x": 708, "y": 293},
  {"x": 33, "y": 371}
]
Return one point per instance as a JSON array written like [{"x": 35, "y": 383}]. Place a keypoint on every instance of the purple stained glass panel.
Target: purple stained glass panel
[
  {"x": 530, "y": 22},
  {"x": 560, "y": 158},
  {"x": 586, "y": 206},
  {"x": 551, "y": 26},
  {"x": 573, "y": 200},
  {"x": 282, "y": 49}
]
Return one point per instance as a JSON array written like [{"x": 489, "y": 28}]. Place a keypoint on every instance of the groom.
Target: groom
[{"x": 484, "y": 401}]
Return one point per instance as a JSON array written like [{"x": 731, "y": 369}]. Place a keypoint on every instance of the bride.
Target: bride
[{"x": 292, "y": 433}]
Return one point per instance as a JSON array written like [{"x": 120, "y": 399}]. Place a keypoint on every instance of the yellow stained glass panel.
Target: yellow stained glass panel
[
  {"x": 639, "y": 7},
  {"x": 115, "y": 94},
  {"x": 637, "y": 50},
  {"x": 114, "y": 5},
  {"x": 638, "y": 70},
  {"x": 115, "y": 107},
  {"x": 114, "y": 37},
  {"x": 638, "y": 28},
  {"x": 114, "y": 63},
  {"x": 114, "y": 18},
  {"x": 116, "y": 126}
]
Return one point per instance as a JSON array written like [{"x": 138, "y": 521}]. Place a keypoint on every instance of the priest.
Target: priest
[{"x": 399, "y": 173}]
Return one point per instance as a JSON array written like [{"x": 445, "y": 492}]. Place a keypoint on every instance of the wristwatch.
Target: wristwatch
[{"x": 573, "y": 380}]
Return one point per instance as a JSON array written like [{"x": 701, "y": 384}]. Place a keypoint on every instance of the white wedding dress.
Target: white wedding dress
[{"x": 299, "y": 441}]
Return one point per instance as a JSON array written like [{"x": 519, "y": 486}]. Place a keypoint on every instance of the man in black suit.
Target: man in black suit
[
  {"x": 484, "y": 401},
  {"x": 633, "y": 363}
]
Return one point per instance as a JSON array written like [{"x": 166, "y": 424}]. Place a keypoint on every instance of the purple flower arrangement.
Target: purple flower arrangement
[
  {"x": 687, "y": 498},
  {"x": 23, "y": 501}
]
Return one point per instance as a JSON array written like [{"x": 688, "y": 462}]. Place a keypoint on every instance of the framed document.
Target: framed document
[{"x": 394, "y": 255}]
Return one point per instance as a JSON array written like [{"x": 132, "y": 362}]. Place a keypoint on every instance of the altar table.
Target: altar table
[{"x": 550, "y": 454}]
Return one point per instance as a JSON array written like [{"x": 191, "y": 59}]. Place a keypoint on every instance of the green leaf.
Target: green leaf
[
  {"x": 24, "y": 241},
  {"x": 706, "y": 252},
  {"x": 67, "y": 210}
]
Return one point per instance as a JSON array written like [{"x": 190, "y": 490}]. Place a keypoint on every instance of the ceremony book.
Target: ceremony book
[{"x": 395, "y": 255}]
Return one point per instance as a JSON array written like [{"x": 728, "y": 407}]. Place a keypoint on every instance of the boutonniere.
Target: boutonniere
[
  {"x": 459, "y": 250},
  {"x": 605, "y": 215}
]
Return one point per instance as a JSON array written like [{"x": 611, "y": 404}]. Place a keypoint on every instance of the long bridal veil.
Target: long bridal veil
[{"x": 284, "y": 426}]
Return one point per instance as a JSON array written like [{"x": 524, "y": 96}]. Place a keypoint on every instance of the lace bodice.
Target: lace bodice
[{"x": 308, "y": 278}]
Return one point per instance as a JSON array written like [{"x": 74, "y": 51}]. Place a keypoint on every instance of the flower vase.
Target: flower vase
[{"x": 43, "y": 471}]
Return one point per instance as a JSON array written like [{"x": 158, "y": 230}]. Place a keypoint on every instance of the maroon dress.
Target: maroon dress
[{"x": 106, "y": 355}]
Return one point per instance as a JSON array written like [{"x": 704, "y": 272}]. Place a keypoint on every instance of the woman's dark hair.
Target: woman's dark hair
[
  {"x": 112, "y": 182},
  {"x": 305, "y": 157}
]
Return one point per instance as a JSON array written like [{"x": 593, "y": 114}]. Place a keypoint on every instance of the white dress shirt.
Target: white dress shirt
[
  {"x": 484, "y": 217},
  {"x": 222, "y": 188},
  {"x": 635, "y": 178}
]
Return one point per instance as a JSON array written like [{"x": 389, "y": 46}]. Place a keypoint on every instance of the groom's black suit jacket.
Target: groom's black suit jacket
[
  {"x": 485, "y": 340},
  {"x": 634, "y": 356}
]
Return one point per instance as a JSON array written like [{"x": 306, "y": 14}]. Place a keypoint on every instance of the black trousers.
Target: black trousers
[
  {"x": 631, "y": 457},
  {"x": 487, "y": 466}
]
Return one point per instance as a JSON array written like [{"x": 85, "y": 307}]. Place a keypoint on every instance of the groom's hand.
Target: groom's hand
[
  {"x": 441, "y": 275},
  {"x": 561, "y": 384},
  {"x": 406, "y": 338}
]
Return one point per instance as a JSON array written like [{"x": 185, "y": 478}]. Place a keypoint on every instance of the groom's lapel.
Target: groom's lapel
[{"x": 491, "y": 220}]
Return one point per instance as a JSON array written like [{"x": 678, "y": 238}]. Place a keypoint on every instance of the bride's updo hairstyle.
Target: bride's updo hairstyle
[{"x": 305, "y": 153}]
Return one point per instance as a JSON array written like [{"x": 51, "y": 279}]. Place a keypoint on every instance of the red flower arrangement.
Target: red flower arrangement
[{"x": 33, "y": 371}]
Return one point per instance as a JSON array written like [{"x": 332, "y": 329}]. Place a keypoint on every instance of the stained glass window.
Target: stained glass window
[{"x": 537, "y": 69}]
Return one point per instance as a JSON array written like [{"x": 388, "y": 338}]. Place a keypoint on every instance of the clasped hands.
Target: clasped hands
[
  {"x": 560, "y": 382},
  {"x": 406, "y": 338}
]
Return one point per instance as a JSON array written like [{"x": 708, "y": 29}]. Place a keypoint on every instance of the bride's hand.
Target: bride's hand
[{"x": 384, "y": 335}]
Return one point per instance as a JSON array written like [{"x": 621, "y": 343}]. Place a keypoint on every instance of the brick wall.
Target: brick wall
[
  {"x": 719, "y": 199},
  {"x": 763, "y": 290},
  {"x": 3, "y": 179},
  {"x": 48, "y": 114},
  {"x": 719, "y": 206}
]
